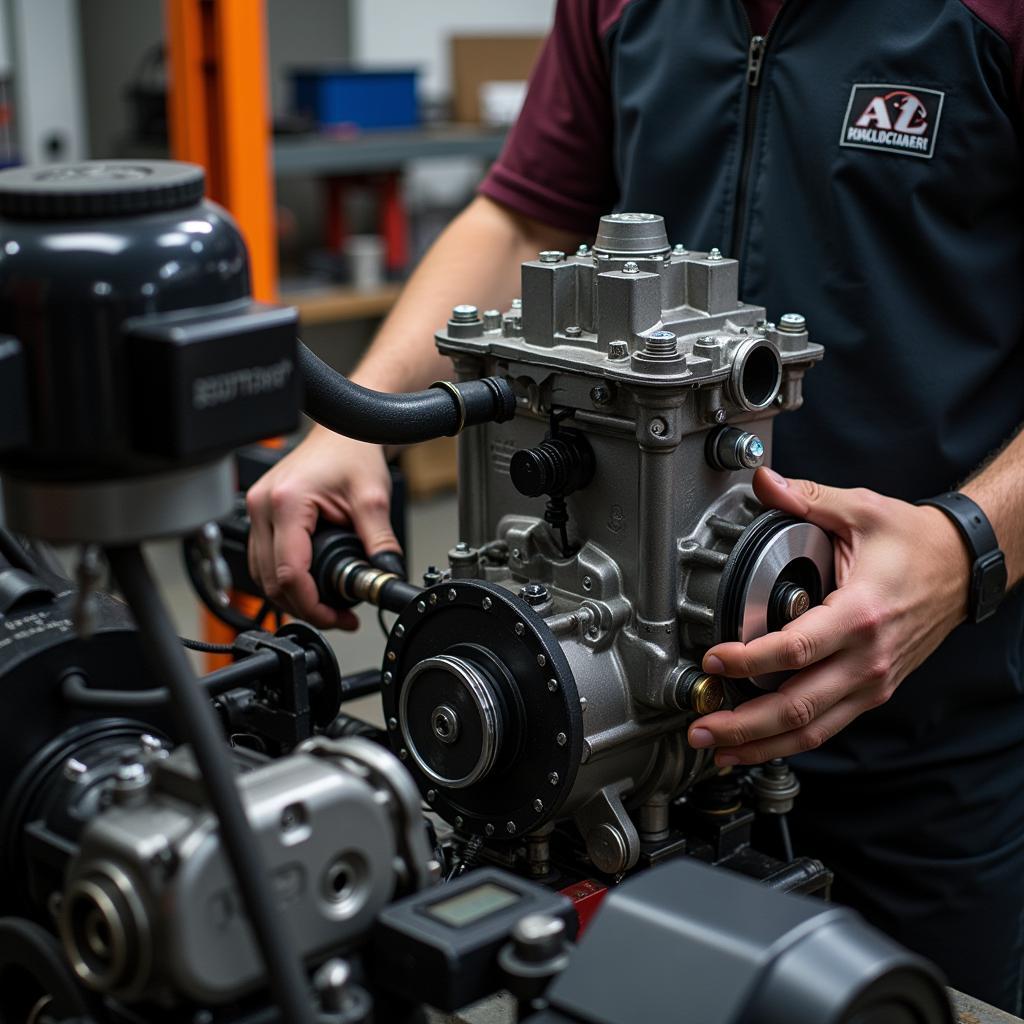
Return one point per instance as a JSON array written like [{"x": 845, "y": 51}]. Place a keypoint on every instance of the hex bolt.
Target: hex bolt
[
  {"x": 553, "y": 685},
  {"x": 510, "y": 827},
  {"x": 517, "y": 303},
  {"x": 660, "y": 344},
  {"x": 792, "y": 323},
  {"x": 387, "y": 678},
  {"x": 392, "y": 724},
  {"x": 399, "y": 630},
  {"x": 541, "y": 660},
  {"x": 551, "y": 256},
  {"x": 465, "y": 314},
  {"x": 721, "y": 415},
  {"x": 561, "y": 739},
  {"x": 488, "y": 829},
  {"x": 452, "y": 594},
  {"x": 583, "y": 250},
  {"x": 486, "y": 604},
  {"x": 618, "y": 350},
  {"x": 432, "y": 576},
  {"x": 600, "y": 394},
  {"x": 588, "y": 582},
  {"x": 658, "y": 427},
  {"x": 431, "y": 795},
  {"x": 403, "y": 754},
  {"x": 553, "y": 778},
  {"x": 679, "y": 249},
  {"x": 538, "y": 805},
  {"x": 573, "y": 331},
  {"x": 534, "y": 594},
  {"x": 492, "y": 319},
  {"x": 715, "y": 254},
  {"x": 421, "y": 606},
  {"x": 630, "y": 268}
]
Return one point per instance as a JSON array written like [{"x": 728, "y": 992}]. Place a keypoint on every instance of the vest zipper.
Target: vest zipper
[{"x": 755, "y": 62}]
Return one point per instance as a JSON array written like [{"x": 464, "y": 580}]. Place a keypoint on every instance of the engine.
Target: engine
[
  {"x": 610, "y": 536},
  {"x": 234, "y": 848}
]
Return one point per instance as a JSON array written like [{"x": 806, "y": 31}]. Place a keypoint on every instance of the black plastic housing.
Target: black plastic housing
[{"x": 92, "y": 257}]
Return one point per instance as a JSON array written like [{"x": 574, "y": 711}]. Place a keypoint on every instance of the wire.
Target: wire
[
  {"x": 787, "y": 843},
  {"x": 205, "y": 648},
  {"x": 230, "y": 616},
  {"x": 199, "y": 726}
]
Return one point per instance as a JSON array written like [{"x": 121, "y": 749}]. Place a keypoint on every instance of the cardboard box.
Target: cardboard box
[{"x": 479, "y": 59}]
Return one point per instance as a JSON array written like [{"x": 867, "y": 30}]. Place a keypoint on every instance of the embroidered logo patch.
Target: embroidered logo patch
[{"x": 893, "y": 119}]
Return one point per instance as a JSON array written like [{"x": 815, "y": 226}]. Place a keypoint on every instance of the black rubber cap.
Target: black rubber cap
[{"x": 99, "y": 188}]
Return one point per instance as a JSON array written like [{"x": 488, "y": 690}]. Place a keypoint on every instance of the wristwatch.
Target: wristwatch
[{"x": 988, "y": 573}]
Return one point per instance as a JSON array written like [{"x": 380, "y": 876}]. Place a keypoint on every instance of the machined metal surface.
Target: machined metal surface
[
  {"x": 645, "y": 351},
  {"x": 149, "y": 907},
  {"x": 121, "y": 511}
]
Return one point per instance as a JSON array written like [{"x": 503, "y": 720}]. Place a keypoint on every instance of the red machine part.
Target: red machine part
[{"x": 586, "y": 896}]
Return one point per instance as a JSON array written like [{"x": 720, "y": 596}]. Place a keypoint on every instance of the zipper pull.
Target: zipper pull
[{"x": 755, "y": 57}]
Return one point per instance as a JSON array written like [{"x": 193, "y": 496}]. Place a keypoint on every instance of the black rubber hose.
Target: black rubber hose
[
  {"x": 346, "y": 408},
  {"x": 198, "y": 724}
]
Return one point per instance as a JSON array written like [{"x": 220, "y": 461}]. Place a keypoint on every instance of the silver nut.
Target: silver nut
[
  {"x": 679, "y": 249},
  {"x": 618, "y": 350},
  {"x": 551, "y": 256},
  {"x": 553, "y": 778},
  {"x": 538, "y": 805},
  {"x": 715, "y": 254},
  {"x": 630, "y": 268},
  {"x": 573, "y": 331}
]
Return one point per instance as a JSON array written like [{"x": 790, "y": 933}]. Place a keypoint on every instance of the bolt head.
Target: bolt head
[
  {"x": 399, "y": 630},
  {"x": 658, "y": 427},
  {"x": 392, "y": 724},
  {"x": 588, "y": 582},
  {"x": 715, "y": 254},
  {"x": 431, "y": 795},
  {"x": 552, "y": 685},
  {"x": 553, "y": 778},
  {"x": 721, "y": 415},
  {"x": 465, "y": 314},
  {"x": 551, "y": 256},
  {"x": 792, "y": 323},
  {"x": 510, "y": 827},
  {"x": 488, "y": 829},
  {"x": 486, "y": 604},
  {"x": 679, "y": 249},
  {"x": 600, "y": 395},
  {"x": 630, "y": 268},
  {"x": 403, "y": 754},
  {"x": 561, "y": 739},
  {"x": 618, "y": 350},
  {"x": 541, "y": 660},
  {"x": 451, "y": 594},
  {"x": 583, "y": 250},
  {"x": 458, "y": 821},
  {"x": 538, "y": 805},
  {"x": 534, "y": 593},
  {"x": 573, "y": 331},
  {"x": 520, "y": 629}
]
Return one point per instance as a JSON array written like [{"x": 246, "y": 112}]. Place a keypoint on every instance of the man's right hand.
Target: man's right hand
[{"x": 346, "y": 482}]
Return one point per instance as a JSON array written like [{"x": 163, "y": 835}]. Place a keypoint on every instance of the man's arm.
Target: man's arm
[
  {"x": 476, "y": 259},
  {"x": 902, "y": 574}
]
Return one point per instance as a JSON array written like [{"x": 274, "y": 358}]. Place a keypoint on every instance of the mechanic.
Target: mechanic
[{"x": 863, "y": 161}]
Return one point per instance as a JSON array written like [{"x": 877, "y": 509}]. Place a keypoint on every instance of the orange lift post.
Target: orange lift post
[{"x": 219, "y": 117}]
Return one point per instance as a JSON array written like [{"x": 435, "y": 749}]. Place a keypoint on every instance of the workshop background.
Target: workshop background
[{"x": 381, "y": 116}]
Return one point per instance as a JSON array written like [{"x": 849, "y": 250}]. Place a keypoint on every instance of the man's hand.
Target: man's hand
[
  {"x": 902, "y": 575},
  {"x": 346, "y": 482}
]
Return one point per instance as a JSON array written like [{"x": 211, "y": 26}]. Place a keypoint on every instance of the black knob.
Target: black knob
[{"x": 558, "y": 465}]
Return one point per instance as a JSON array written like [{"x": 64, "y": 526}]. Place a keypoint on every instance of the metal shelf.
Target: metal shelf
[{"x": 380, "y": 151}]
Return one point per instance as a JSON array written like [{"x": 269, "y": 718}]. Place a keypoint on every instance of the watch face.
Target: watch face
[{"x": 988, "y": 584}]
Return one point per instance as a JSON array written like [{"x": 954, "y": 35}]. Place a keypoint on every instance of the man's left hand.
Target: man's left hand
[{"x": 902, "y": 575}]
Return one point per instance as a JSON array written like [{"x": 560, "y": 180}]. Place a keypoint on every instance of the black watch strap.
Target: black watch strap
[{"x": 988, "y": 571}]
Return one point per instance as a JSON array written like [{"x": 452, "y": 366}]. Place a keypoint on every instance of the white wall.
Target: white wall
[{"x": 416, "y": 32}]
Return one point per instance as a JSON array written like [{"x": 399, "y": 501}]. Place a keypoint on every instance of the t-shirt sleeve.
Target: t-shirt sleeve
[{"x": 557, "y": 165}]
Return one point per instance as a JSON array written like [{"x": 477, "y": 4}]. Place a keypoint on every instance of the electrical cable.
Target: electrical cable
[
  {"x": 229, "y": 615},
  {"x": 787, "y": 843},
  {"x": 198, "y": 723},
  {"x": 203, "y": 647}
]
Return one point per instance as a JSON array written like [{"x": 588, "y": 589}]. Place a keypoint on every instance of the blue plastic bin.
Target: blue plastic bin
[{"x": 365, "y": 99}]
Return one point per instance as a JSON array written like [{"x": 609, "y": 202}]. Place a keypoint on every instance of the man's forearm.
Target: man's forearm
[
  {"x": 999, "y": 489},
  {"x": 476, "y": 259}
]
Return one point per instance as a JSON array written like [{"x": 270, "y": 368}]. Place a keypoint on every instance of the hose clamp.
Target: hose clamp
[{"x": 460, "y": 403}]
